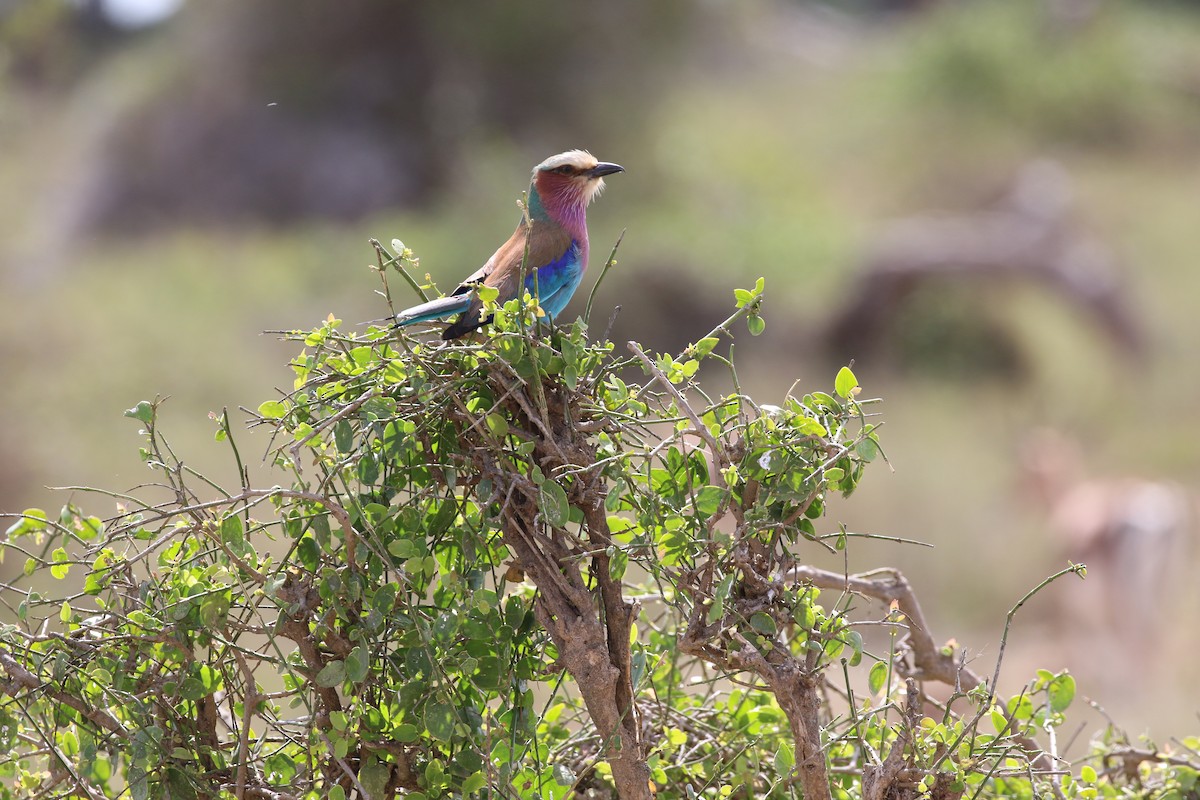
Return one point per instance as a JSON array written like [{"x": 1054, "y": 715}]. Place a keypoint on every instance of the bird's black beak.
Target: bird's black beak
[{"x": 604, "y": 168}]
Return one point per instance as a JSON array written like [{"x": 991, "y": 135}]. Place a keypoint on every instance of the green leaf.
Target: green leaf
[
  {"x": 32, "y": 520},
  {"x": 617, "y": 563},
  {"x": 717, "y": 610},
  {"x": 180, "y": 784},
  {"x": 385, "y": 596},
  {"x": 763, "y": 622},
  {"x": 705, "y": 346},
  {"x": 59, "y": 567},
  {"x": 272, "y": 409},
  {"x": 1020, "y": 708},
  {"x": 233, "y": 532},
  {"x": 368, "y": 470},
  {"x": 1087, "y": 774},
  {"x": 1061, "y": 691},
  {"x": 785, "y": 759},
  {"x": 357, "y": 663},
  {"x": 439, "y": 719},
  {"x": 845, "y": 383},
  {"x": 214, "y": 609},
  {"x": 64, "y": 613},
  {"x": 563, "y": 776},
  {"x": 332, "y": 674},
  {"x": 804, "y": 614},
  {"x": 755, "y": 324},
  {"x": 497, "y": 424},
  {"x": 855, "y": 641},
  {"x": 88, "y": 528},
  {"x": 139, "y": 783},
  {"x": 402, "y": 548},
  {"x": 709, "y": 499},
  {"x": 435, "y": 776},
  {"x": 343, "y": 436},
  {"x": 192, "y": 689},
  {"x": 474, "y": 783},
  {"x": 442, "y": 520},
  {"x": 210, "y": 678},
  {"x": 143, "y": 411},
  {"x": 552, "y": 500},
  {"x": 877, "y": 677},
  {"x": 374, "y": 777}
]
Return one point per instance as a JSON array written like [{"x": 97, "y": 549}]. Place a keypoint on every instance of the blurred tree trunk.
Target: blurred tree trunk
[{"x": 276, "y": 111}]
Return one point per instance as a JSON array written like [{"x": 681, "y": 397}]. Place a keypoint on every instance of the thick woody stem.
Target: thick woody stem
[
  {"x": 796, "y": 690},
  {"x": 592, "y": 651},
  {"x": 590, "y": 628},
  {"x": 879, "y": 778},
  {"x": 618, "y": 621}
]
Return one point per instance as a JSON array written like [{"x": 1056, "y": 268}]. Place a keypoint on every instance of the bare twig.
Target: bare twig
[
  {"x": 718, "y": 452},
  {"x": 612, "y": 258},
  {"x": 249, "y": 701}
]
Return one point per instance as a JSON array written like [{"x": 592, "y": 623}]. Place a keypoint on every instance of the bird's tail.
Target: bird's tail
[{"x": 434, "y": 309}]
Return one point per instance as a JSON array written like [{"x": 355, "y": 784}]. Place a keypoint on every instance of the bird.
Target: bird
[{"x": 554, "y": 234}]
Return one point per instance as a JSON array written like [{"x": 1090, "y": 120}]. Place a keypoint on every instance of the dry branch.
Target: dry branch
[{"x": 930, "y": 661}]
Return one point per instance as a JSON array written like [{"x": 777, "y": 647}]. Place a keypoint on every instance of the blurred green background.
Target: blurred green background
[{"x": 177, "y": 177}]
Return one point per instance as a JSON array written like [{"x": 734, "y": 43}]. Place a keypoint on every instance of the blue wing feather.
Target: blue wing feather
[
  {"x": 435, "y": 309},
  {"x": 557, "y": 281}
]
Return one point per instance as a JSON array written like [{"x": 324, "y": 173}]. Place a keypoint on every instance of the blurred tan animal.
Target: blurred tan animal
[{"x": 1132, "y": 533}]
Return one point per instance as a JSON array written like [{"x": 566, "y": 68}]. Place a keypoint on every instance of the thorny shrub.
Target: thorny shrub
[{"x": 526, "y": 565}]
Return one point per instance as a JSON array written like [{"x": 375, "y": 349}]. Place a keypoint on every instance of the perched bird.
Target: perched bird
[{"x": 555, "y": 234}]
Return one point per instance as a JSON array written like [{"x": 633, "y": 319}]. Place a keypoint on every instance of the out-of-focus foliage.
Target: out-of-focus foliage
[
  {"x": 272, "y": 113},
  {"x": 1027, "y": 66}
]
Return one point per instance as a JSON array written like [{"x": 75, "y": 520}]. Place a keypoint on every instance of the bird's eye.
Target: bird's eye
[{"x": 565, "y": 170}]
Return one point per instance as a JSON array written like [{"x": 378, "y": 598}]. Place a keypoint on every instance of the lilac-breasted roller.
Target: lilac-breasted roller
[{"x": 555, "y": 232}]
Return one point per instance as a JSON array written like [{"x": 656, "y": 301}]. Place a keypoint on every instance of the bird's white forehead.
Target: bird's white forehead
[{"x": 580, "y": 159}]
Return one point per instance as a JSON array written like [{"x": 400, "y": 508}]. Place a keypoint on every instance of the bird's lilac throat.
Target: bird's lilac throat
[{"x": 564, "y": 203}]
